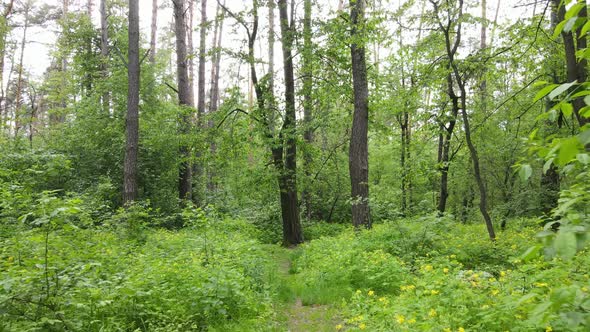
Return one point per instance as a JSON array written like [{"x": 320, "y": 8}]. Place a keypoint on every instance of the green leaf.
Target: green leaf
[
  {"x": 558, "y": 29},
  {"x": 569, "y": 24},
  {"x": 574, "y": 10},
  {"x": 562, "y": 88},
  {"x": 585, "y": 28},
  {"x": 568, "y": 150},
  {"x": 531, "y": 253},
  {"x": 566, "y": 244},
  {"x": 567, "y": 109},
  {"x": 584, "y": 158},
  {"x": 545, "y": 91},
  {"x": 525, "y": 172},
  {"x": 547, "y": 165}
]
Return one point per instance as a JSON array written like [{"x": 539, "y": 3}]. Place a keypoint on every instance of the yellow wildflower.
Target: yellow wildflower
[
  {"x": 446, "y": 270},
  {"x": 584, "y": 289},
  {"x": 358, "y": 291},
  {"x": 461, "y": 329},
  {"x": 428, "y": 268},
  {"x": 434, "y": 292},
  {"x": 447, "y": 329},
  {"x": 540, "y": 284},
  {"x": 513, "y": 246},
  {"x": 400, "y": 319},
  {"x": 339, "y": 327},
  {"x": 371, "y": 293},
  {"x": 548, "y": 329},
  {"x": 492, "y": 279},
  {"x": 362, "y": 326},
  {"x": 411, "y": 321},
  {"x": 495, "y": 292},
  {"x": 432, "y": 313},
  {"x": 502, "y": 273},
  {"x": 453, "y": 256}
]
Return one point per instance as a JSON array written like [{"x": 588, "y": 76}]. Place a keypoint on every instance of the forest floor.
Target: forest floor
[{"x": 301, "y": 317}]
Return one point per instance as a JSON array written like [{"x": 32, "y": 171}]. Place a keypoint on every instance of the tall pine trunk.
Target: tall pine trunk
[
  {"x": 184, "y": 99},
  {"x": 307, "y": 104},
  {"x": 132, "y": 119},
  {"x": 359, "y": 152}
]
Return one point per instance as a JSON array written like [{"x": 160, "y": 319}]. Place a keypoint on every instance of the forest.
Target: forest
[{"x": 294, "y": 165}]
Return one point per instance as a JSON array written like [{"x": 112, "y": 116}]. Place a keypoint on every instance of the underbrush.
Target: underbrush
[
  {"x": 65, "y": 278},
  {"x": 435, "y": 275}
]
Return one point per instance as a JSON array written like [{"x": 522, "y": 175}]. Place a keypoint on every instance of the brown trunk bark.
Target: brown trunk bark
[
  {"x": 359, "y": 152},
  {"x": 576, "y": 70},
  {"x": 130, "y": 189},
  {"x": 184, "y": 99},
  {"x": 292, "y": 233},
  {"x": 445, "y": 146}
]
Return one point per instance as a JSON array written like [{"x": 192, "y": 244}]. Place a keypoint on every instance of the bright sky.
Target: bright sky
[{"x": 37, "y": 54}]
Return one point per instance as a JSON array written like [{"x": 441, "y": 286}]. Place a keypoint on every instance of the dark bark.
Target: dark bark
[
  {"x": 184, "y": 99},
  {"x": 576, "y": 70},
  {"x": 292, "y": 233},
  {"x": 359, "y": 153},
  {"x": 307, "y": 104},
  {"x": 457, "y": 78},
  {"x": 445, "y": 146},
  {"x": 132, "y": 119}
]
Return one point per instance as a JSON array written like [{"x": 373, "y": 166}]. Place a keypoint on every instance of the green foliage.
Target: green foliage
[{"x": 169, "y": 281}]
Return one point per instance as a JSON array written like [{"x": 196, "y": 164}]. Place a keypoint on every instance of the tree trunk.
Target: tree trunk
[
  {"x": 4, "y": 29},
  {"x": 292, "y": 233},
  {"x": 132, "y": 120},
  {"x": 104, "y": 53},
  {"x": 576, "y": 70},
  {"x": 184, "y": 99},
  {"x": 445, "y": 147},
  {"x": 307, "y": 104},
  {"x": 214, "y": 89},
  {"x": 198, "y": 167},
  {"x": 359, "y": 152},
  {"x": 153, "y": 32},
  {"x": 19, "y": 82}
]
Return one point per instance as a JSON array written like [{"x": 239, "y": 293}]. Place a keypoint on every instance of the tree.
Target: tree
[
  {"x": 307, "y": 102},
  {"x": 289, "y": 199},
  {"x": 359, "y": 151},
  {"x": 281, "y": 144},
  {"x": 184, "y": 98},
  {"x": 132, "y": 119},
  {"x": 452, "y": 34}
]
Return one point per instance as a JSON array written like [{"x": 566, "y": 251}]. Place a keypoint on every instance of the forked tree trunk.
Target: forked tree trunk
[
  {"x": 359, "y": 153},
  {"x": 132, "y": 119}
]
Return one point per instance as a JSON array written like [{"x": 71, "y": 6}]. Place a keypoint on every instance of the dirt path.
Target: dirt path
[{"x": 306, "y": 318}]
